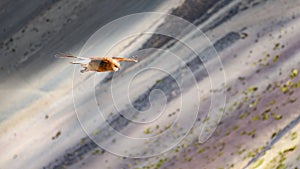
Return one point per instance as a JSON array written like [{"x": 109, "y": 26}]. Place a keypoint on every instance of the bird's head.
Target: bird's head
[{"x": 116, "y": 66}]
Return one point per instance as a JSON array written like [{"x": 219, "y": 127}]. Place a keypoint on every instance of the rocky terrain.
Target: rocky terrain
[{"x": 218, "y": 89}]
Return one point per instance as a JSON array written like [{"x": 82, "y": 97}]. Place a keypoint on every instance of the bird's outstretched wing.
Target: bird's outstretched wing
[{"x": 125, "y": 59}]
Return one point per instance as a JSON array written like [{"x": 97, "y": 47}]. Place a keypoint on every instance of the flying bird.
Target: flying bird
[{"x": 98, "y": 64}]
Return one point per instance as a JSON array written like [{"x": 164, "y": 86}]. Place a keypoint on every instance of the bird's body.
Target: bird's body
[{"x": 98, "y": 64}]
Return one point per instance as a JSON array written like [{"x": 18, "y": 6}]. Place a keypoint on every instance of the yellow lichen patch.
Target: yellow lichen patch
[
  {"x": 243, "y": 133},
  {"x": 241, "y": 151},
  {"x": 253, "y": 103},
  {"x": 235, "y": 127},
  {"x": 227, "y": 133},
  {"x": 95, "y": 152},
  {"x": 245, "y": 99},
  {"x": 235, "y": 103},
  {"x": 265, "y": 116},
  {"x": 251, "y": 154},
  {"x": 258, "y": 163},
  {"x": 266, "y": 57},
  {"x": 278, "y": 117},
  {"x": 246, "y": 114},
  {"x": 265, "y": 64},
  {"x": 273, "y": 114},
  {"x": 168, "y": 126},
  {"x": 230, "y": 109},
  {"x": 284, "y": 88},
  {"x": 147, "y": 130},
  {"x": 289, "y": 83},
  {"x": 252, "y": 89},
  {"x": 201, "y": 150},
  {"x": 82, "y": 141},
  {"x": 255, "y": 118},
  {"x": 159, "y": 131},
  {"x": 296, "y": 85},
  {"x": 272, "y": 102},
  {"x": 276, "y": 57},
  {"x": 290, "y": 149},
  {"x": 206, "y": 119},
  {"x": 177, "y": 149},
  {"x": 294, "y": 73},
  {"x": 221, "y": 109},
  {"x": 252, "y": 133},
  {"x": 294, "y": 135},
  {"x": 277, "y": 85},
  {"x": 267, "y": 110},
  {"x": 95, "y": 132},
  {"x": 241, "y": 116}
]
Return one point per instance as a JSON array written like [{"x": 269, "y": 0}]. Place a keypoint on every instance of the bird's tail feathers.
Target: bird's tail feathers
[
  {"x": 67, "y": 55},
  {"x": 82, "y": 60},
  {"x": 86, "y": 61}
]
